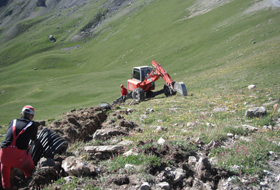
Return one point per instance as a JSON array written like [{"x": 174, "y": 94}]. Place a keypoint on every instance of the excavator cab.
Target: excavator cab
[{"x": 139, "y": 74}]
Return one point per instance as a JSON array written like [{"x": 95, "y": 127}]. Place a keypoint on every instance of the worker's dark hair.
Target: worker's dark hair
[{"x": 27, "y": 115}]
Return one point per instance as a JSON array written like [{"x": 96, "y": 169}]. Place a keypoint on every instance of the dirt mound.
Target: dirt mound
[{"x": 79, "y": 125}]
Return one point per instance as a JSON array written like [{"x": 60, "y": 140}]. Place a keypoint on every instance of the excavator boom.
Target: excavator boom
[
  {"x": 162, "y": 73},
  {"x": 174, "y": 86}
]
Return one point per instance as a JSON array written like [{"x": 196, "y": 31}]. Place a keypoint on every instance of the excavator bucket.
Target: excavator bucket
[{"x": 180, "y": 88}]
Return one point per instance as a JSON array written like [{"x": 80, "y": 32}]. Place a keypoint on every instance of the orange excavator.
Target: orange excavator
[{"x": 143, "y": 80}]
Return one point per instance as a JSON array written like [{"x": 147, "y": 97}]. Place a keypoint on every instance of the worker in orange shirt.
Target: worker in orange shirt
[{"x": 123, "y": 93}]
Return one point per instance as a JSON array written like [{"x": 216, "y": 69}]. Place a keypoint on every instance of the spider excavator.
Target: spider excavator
[{"x": 143, "y": 80}]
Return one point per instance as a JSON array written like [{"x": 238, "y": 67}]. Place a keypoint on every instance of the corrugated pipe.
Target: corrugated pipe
[{"x": 47, "y": 145}]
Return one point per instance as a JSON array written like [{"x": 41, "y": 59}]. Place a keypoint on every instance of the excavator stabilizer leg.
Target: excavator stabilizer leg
[{"x": 180, "y": 88}]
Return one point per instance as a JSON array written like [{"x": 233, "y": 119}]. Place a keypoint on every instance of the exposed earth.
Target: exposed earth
[{"x": 180, "y": 167}]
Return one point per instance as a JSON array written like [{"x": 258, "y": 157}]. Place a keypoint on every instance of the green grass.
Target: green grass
[
  {"x": 201, "y": 51},
  {"x": 213, "y": 54}
]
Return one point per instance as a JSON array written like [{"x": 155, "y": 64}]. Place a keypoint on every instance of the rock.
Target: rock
[
  {"x": 126, "y": 143},
  {"x": 143, "y": 117},
  {"x": 46, "y": 162},
  {"x": 203, "y": 168},
  {"x": 102, "y": 134},
  {"x": 161, "y": 141},
  {"x": 130, "y": 152},
  {"x": 164, "y": 185},
  {"x": 130, "y": 110},
  {"x": 160, "y": 128},
  {"x": 41, "y": 3},
  {"x": 120, "y": 180},
  {"x": 270, "y": 103},
  {"x": 250, "y": 128},
  {"x": 213, "y": 160},
  {"x": 197, "y": 184},
  {"x": 251, "y": 86},
  {"x": 103, "y": 149},
  {"x": 176, "y": 174},
  {"x": 271, "y": 99},
  {"x": 145, "y": 186},
  {"x": 256, "y": 112},
  {"x": 190, "y": 124},
  {"x": 127, "y": 166},
  {"x": 245, "y": 139},
  {"x": 68, "y": 179},
  {"x": 51, "y": 38},
  {"x": 236, "y": 136},
  {"x": 220, "y": 109},
  {"x": 230, "y": 135},
  {"x": 212, "y": 145},
  {"x": 192, "y": 160},
  {"x": 76, "y": 167},
  {"x": 150, "y": 110}
]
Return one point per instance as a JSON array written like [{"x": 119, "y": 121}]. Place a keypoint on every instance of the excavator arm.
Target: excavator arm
[
  {"x": 162, "y": 73},
  {"x": 171, "y": 85}
]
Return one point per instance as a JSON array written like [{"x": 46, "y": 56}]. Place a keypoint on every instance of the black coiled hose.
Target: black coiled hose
[{"x": 47, "y": 145}]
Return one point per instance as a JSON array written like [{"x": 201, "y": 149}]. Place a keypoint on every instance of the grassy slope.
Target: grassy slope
[{"x": 205, "y": 54}]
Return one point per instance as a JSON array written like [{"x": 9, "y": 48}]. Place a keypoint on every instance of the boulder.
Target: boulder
[
  {"x": 76, "y": 167},
  {"x": 256, "y": 112}
]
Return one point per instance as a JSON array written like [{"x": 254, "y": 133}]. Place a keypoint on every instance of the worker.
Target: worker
[
  {"x": 123, "y": 93},
  {"x": 15, "y": 147}
]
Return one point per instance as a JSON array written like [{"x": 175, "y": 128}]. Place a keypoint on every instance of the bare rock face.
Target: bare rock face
[{"x": 76, "y": 167}]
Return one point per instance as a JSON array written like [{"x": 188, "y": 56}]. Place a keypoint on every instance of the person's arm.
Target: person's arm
[{"x": 34, "y": 132}]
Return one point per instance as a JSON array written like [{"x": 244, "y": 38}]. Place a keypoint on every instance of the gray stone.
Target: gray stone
[
  {"x": 192, "y": 160},
  {"x": 103, "y": 149},
  {"x": 100, "y": 134},
  {"x": 161, "y": 141},
  {"x": 250, "y": 128},
  {"x": 220, "y": 109},
  {"x": 256, "y": 112},
  {"x": 76, "y": 167},
  {"x": 251, "y": 86},
  {"x": 164, "y": 185},
  {"x": 145, "y": 186},
  {"x": 46, "y": 162}
]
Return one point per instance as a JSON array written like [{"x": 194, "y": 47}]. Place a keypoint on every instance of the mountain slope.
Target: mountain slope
[{"x": 212, "y": 46}]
